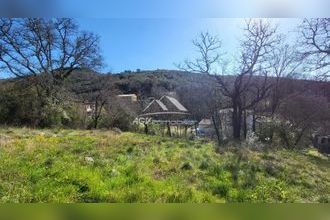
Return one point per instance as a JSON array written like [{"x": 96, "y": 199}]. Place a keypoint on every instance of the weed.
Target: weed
[
  {"x": 49, "y": 166},
  {"x": 186, "y": 166}
]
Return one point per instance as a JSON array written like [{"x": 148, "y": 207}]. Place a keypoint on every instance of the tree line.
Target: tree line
[
  {"x": 258, "y": 77},
  {"x": 43, "y": 55}
]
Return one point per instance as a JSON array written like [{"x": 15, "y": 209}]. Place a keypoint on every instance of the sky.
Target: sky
[
  {"x": 160, "y": 43},
  {"x": 155, "y": 34}
]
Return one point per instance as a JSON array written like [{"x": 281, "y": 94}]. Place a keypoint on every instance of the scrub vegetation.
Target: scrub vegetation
[{"x": 106, "y": 166}]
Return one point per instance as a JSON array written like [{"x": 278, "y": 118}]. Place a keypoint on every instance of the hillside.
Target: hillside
[
  {"x": 144, "y": 83},
  {"x": 155, "y": 82},
  {"x": 21, "y": 104},
  {"x": 103, "y": 166}
]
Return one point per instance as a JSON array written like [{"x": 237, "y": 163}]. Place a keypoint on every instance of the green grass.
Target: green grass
[{"x": 50, "y": 166}]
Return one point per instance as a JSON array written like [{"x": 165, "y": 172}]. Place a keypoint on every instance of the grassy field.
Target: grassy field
[{"x": 103, "y": 166}]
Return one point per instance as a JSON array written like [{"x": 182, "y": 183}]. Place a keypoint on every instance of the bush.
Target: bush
[
  {"x": 283, "y": 133},
  {"x": 271, "y": 169},
  {"x": 116, "y": 119},
  {"x": 204, "y": 165},
  {"x": 20, "y": 104},
  {"x": 221, "y": 189},
  {"x": 186, "y": 166}
]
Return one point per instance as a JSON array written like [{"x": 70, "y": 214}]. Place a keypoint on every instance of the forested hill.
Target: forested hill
[
  {"x": 142, "y": 83},
  {"x": 157, "y": 82},
  {"x": 194, "y": 91}
]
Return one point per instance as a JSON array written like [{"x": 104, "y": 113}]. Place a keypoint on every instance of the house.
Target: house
[
  {"x": 165, "y": 108},
  {"x": 155, "y": 106},
  {"x": 128, "y": 97},
  {"x": 167, "y": 111},
  {"x": 89, "y": 107},
  {"x": 172, "y": 104},
  {"x": 205, "y": 128},
  {"x": 128, "y": 102}
]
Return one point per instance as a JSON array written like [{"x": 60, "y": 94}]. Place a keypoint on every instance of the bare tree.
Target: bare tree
[
  {"x": 98, "y": 92},
  {"x": 284, "y": 62},
  {"x": 100, "y": 99},
  {"x": 301, "y": 115},
  {"x": 208, "y": 48},
  {"x": 46, "y": 51},
  {"x": 315, "y": 45},
  {"x": 250, "y": 85}
]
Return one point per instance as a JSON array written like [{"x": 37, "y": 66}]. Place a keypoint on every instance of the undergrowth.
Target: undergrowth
[{"x": 51, "y": 166}]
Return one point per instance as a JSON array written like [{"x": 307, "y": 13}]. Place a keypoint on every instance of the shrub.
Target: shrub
[
  {"x": 117, "y": 119},
  {"x": 235, "y": 195},
  {"x": 271, "y": 169},
  {"x": 324, "y": 199},
  {"x": 204, "y": 165},
  {"x": 221, "y": 189},
  {"x": 186, "y": 166}
]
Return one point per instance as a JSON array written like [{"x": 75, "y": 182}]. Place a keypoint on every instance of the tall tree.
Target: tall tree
[
  {"x": 208, "y": 48},
  {"x": 284, "y": 63},
  {"x": 315, "y": 45},
  {"x": 209, "y": 52},
  {"x": 245, "y": 89},
  {"x": 45, "y": 52},
  {"x": 302, "y": 115}
]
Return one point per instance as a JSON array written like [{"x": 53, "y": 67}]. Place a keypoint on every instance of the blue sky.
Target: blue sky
[
  {"x": 151, "y": 34},
  {"x": 159, "y": 43},
  {"x": 193, "y": 8}
]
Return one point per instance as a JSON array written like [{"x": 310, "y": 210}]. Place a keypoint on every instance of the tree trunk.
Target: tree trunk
[
  {"x": 236, "y": 123},
  {"x": 95, "y": 122},
  {"x": 299, "y": 136},
  {"x": 185, "y": 131},
  {"x": 216, "y": 128},
  {"x": 169, "y": 129},
  {"x": 244, "y": 124},
  {"x": 254, "y": 122},
  {"x": 146, "y": 130},
  {"x": 94, "y": 116},
  {"x": 42, "y": 104}
]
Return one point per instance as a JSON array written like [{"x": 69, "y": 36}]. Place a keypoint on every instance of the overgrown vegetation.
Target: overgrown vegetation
[
  {"x": 265, "y": 159},
  {"x": 104, "y": 166},
  {"x": 55, "y": 66}
]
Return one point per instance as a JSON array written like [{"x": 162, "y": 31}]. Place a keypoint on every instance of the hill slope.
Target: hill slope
[
  {"x": 156, "y": 82},
  {"x": 102, "y": 166}
]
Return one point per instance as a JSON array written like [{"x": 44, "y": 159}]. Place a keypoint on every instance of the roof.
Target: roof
[
  {"x": 175, "y": 102},
  {"x": 158, "y": 102},
  {"x": 205, "y": 122},
  {"x": 132, "y": 97},
  {"x": 161, "y": 105},
  {"x": 127, "y": 95},
  {"x": 167, "y": 104}
]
